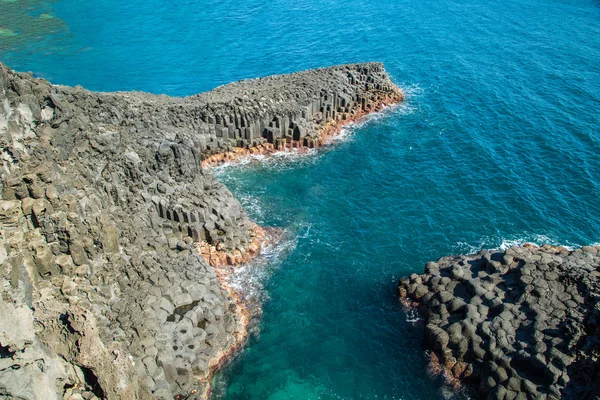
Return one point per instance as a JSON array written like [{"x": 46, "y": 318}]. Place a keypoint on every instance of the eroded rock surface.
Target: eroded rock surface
[
  {"x": 517, "y": 324},
  {"x": 103, "y": 205}
]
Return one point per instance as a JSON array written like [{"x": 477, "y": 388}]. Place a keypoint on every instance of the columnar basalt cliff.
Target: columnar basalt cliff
[
  {"x": 114, "y": 239},
  {"x": 303, "y": 111},
  {"x": 517, "y": 324}
]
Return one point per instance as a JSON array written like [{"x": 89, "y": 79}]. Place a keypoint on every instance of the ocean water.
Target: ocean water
[{"x": 498, "y": 143}]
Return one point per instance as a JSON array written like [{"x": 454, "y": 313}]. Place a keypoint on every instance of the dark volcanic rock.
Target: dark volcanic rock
[
  {"x": 103, "y": 205},
  {"x": 523, "y": 323}
]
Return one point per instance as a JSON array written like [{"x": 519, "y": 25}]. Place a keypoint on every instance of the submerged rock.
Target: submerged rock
[
  {"x": 521, "y": 323},
  {"x": 114, "y": 239}
]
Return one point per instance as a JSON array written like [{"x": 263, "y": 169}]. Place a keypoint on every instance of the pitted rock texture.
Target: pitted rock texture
[
  {"x": 517, "y": 324},
  {"x": 103, "y": 204}
]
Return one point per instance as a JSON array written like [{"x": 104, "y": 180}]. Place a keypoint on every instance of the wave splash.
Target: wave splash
[
  {"x": 249, "y": 280},
  {"x": 503, "y": 243},
  {"x": 413, "y": 316}
]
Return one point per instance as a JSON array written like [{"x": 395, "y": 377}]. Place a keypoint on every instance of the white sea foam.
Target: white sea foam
[
  {"x": 503, "y": 243},
  {"x": 536, "y": 240},
  {"x": 347, "y": 133},
  {"x": 413, "y": 316},
  {"x": 249, "y": 279},
  {"x": 280, "y": 159},
  {"x": 252, "y": 207},
  {"x": 250, "y": 158}
]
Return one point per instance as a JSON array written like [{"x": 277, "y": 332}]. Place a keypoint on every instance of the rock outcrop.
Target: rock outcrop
[
  {"x": 297, "y": 111},
  {"x": 517, "y": 324},
  {"x": 113, "y": 237}
]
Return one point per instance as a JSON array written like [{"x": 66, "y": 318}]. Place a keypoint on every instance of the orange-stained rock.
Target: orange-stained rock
[{"x": 324, "y": 134}]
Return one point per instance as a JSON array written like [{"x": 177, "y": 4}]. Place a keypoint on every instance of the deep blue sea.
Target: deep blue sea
[{"x": 498, "y": 143}]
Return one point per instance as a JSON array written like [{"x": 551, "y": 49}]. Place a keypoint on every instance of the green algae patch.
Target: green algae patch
[
  {"x": 5, "y": 32},
  {"x": 31, "y": 26}
]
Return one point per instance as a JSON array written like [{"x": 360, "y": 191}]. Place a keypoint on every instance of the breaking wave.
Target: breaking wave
[{"x": 502, "y": 243}]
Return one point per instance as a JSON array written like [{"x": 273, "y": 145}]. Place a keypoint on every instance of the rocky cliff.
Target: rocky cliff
[
  {"x": 113, "y": 236},
  {"x": 517, "y": 324}
]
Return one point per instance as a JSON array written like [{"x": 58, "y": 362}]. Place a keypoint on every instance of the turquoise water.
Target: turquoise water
[{"x": 497, "y": 143}]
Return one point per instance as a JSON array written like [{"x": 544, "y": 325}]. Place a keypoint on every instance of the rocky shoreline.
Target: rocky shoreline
[
  {"x": 324, "y": 136},
  {"x": 116, "y": 243},
  {"x": 224, "y": 266},
  {"x": 523, "y": 323}
]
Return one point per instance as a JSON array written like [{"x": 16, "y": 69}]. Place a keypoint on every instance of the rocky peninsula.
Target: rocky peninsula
[
  {"x": 116, "y": 242},
  {"x": 523, "y": 323}
]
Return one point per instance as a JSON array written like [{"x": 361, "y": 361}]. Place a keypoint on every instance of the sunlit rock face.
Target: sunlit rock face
[{"x": 104, "y": 205}]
